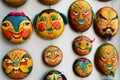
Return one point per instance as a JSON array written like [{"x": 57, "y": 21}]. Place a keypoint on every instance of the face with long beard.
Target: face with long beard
[
  {"x": 16, "y": 27},
  {"x": 49, "y": 24},
  {"x": 82, "y": 67},
  {"x": 80, "y": 16},
  {"x": 107, "y": 22},
  {"x": 52, "y": 55},
  {"x": 107, "y": 59},
  {"x": 17, "y": 64}
]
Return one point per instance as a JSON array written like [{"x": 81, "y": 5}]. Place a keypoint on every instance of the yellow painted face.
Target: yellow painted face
[
  {"x": 107, "y": 59},
  {"x": 49, "y": 24},
  {"x": 82, "y": 45},
  {"x": 49, "y": 2},
  {"x": 82, "y": 67},
  {"x": 52, "y": 56},
  {"x": 17, "y": 64},
  {"x": 16, "y": 27},
  {"x": 15, "y": 3},
  {"x": 107, "y": 22}
]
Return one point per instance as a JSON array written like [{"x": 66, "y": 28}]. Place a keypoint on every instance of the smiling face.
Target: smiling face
[
  {"x": 52, "y": 55},
  {"x": 107, "y": 59},
  {"x": 80, "y": 16},
  {"x": 107, "y": 22},
  {"x": 17, "y": 64},
  {"x": 49, "y": 2},
  {"x": 16, "y": 27},
  {"x": 15, "y": 3},
  {"x": 49, "y": 24},
  {"x": 82, "y": 45},
  {"x": 82, "y": 67}
]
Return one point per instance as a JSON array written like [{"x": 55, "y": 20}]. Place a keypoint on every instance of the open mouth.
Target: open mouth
[{"x": 16, "y": 36}]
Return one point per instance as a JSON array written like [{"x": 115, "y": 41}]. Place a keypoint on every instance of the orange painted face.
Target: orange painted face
[
  {"x": 17, "y": 64},
  {"x": 107, "y": 59},
  {"x": 49, "y": 24},
  {"x": 49, "y": 2},
  {"x": 82, "y": 45},
  {"x": 80, "y": 16},
  {"x": 15, "y": 3},
  {"x": 16, "y": 27},
  {"x": 106, "y": 22},
  {"x": 52, "y": 56}
]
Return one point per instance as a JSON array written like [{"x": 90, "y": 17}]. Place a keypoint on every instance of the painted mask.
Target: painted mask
[
  {"x": 17, "y": 27},
  {"x": 49, "y": 2},
  {"x": 107, "y": 59},
  {"x": 54, "y": 75},
  {"x": 52, "y": 56},
  {"x": 80, "y": 15},
  {"x": 82, "y": 45},
  {"x": 49, "y": 24},
  {"x": 82, "y": 67},
  {"x": 17, "y": 64},
  {"x": 15, "y": 3},
  {"x": 106, "y": 23}
]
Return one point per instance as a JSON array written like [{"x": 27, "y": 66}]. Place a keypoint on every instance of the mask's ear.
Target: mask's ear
[
  {"x": 64, "y": 78},
  {"x": 35, "y": 19},
  {"x": 64, "y": 18}
]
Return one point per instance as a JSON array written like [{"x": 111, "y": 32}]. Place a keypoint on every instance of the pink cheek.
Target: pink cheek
[
  {"x": 41, "y": 26},
  {"x": 7, "y": 33},
  {"x": 56, "y": 25}
]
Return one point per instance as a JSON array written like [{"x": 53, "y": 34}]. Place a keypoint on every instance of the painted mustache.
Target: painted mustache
[{"x": 108, "y": 28}]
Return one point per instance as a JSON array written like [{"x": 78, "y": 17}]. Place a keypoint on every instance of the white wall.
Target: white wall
[{"x": 36, "y": 45}]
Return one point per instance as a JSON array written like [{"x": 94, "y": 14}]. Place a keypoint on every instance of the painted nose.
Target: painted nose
[
  {"x": 81, "y": 16},
  {"x": 16, "y": 63}
]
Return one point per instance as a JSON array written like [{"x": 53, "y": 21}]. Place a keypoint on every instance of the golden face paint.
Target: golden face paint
[
  {"x": 49, "y": 24},
  {"x": 17, "y": 64},
  {"x": 16, "y": 27},
  {"x": 106, "y": 24}
]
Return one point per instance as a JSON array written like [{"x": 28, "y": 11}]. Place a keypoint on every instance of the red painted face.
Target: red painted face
[{"x": 80, "y": 16}]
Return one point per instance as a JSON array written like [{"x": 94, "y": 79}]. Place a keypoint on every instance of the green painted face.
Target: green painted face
[
  {"x": 82, "y": 67},
  {"x": 107, "y": 59}
]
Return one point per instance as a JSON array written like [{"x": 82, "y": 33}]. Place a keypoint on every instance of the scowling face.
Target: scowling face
[
  {"x": 107, "y": 22},
  {"x": 80, "y": 16},
  {"x": 107, "y": 59},
  {"x": 16, "y": 27},
  {"x": 17, "y": 64},
  {"x": 49, "y": 24}
]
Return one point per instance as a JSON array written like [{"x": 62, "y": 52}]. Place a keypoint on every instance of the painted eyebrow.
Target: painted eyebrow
[
  {"x": 26, "y": 56},
  {"x": 6, "y": 57},
  {"x": 101, "y": 16},
  {"x": 115, "y": 17}
]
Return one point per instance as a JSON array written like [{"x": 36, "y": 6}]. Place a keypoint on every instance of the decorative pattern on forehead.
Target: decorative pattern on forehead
[
  {"x": 80, "y": 16},
  {"x": 106, "y": 23},
  {"x": 106, "y": 59},
  {"x": 16, "y": 19}
]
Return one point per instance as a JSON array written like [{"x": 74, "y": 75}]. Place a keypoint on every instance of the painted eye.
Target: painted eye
[
  {"x": 5, "y": 24},
  {"x": 114, "y": 58},
  {"x": 8, "y": 61},
  {"x": 56, "y": 53},
  {"x": 87, "y": 44},
  {"x": 26, "y": 23},
  {"x": 49, "y": 54},
  {"x": 43, "y": 18},
  {"x": 86, "y": 12},
  {"x": 104, "y": 59},
  {"x": 24, "y": 59},
  {"x": 75, "y": 13},
  {"x": 54, "y": 18}
]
